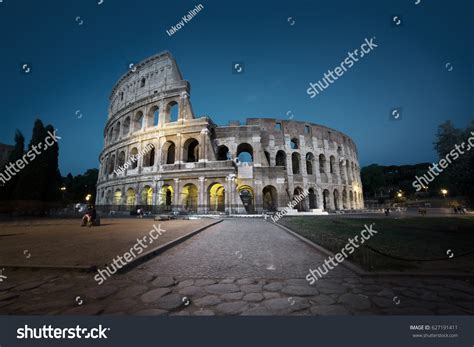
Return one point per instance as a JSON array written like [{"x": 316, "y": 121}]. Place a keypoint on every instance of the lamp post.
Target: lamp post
[{"x": 444, "y": 192}]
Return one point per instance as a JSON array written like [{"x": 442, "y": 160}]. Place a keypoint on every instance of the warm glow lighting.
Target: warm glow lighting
[
  {"x": 399, "y": 195},
  {"x": 444, "y": 192},
  {"x": 63, "y": 188},
  {"x": 88, "y": 197}
]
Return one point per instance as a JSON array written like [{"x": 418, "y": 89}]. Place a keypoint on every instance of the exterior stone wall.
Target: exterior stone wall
[{"x": 189, "y": 163}]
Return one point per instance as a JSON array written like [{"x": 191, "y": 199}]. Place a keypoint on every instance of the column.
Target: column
[
  {"x": 202, "y": 201},
  {"x": 177, "y": 194}
]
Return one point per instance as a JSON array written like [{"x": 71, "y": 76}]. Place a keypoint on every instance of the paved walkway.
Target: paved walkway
[{"x": 240, "y": 266}]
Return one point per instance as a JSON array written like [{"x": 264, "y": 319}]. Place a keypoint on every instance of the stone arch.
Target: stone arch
[
  {"x": 296, "y": 193},
  {"x": 326, "y": 199},
  {"x": 108, "y": 197},
  {"x": 336, "y": 199},
  {"x": 295, "y": 162},
  {"x": 332, "y": 163},
  {"x": 138, "y": 121},
  {"x": 246, "y": 194},
  {"x": 223, "y": 153},
  {"x": 270, "y": 198},
  {"x": 245, "y": 152},
  {"x": 126, "y": 126},
  {"x": 322, "y": 163},
  {"x": 153, "y": 116},
  {"x": 117, "y": 131},
  {"x": 133, "y": 157},
  {"x": 280, "y": 159},
  {"x": 190, "y": 197},
  {"x": 344, "y": 199},
  {"x": 313, "y": 199},
  {"x": 118, "y": 197},
  {"x": 216, "y": 197},
  {"x": 121, "y": 160},
  {"x": 149, "y": 157},
  {"x": 111, "y": 135},
  {"x": 131, "y": 197},
  {"x": 147, "y": 196},
  {"x": 309, "y": 163},
  {"x": 166, "y": 196},
  {"x": 172, "y": 112},
  {"x": 112, "y": 164},
  {"x": 169, "y": 152},
  {"x": 191, "y": 150}
]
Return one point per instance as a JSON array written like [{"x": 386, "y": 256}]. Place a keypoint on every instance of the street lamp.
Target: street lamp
[
  {"x": 88, "y": 197},
  {"x": 399, "y": 194},
  {"x": 63, "y": 188},
  {"x": 444, "y": 192}
]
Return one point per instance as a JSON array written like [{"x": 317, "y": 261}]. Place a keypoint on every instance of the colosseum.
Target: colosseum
[{"x": 159, "y": 156}]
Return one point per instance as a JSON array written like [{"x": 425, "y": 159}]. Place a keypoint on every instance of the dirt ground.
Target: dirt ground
[{"x": 63, "y": 242}]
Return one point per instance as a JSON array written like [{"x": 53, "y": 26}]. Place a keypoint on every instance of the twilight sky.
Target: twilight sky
[{"x": 78, "y": 49}]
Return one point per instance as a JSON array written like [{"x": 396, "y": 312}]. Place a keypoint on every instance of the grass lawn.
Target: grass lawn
[{"x": 409, "y": 238}]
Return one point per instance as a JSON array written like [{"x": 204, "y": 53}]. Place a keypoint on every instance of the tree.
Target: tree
[
  {"x": 373, "y": 178},
  {"x": 7, "y": 191},
  {"x": 34, "y": 178},
  {"x": 460, "y": 172}
]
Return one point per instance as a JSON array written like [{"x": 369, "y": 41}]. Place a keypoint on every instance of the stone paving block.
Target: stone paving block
[{"x": 154, "y": 294}]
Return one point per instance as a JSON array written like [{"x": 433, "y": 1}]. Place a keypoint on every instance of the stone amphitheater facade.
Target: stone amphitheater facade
[{"x": 157, "y": 155}]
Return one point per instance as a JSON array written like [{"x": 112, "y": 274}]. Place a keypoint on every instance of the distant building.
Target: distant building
[{"x": 5, "y": 151}]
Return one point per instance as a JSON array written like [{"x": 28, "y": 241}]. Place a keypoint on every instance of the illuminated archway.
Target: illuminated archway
[
  {"x": 147, "y": 196},
  {"x": 190, "y": 197},
  {"x": 247, "y": 196},
  {"x": 270, "y": 198},
  {"x": 166, "y": 197},
  {"x": 216, "y": 197},
  {"x": 131, "y": 197}
]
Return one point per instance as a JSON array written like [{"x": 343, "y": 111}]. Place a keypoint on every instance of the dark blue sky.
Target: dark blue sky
[{"x": 74, "y": 67}]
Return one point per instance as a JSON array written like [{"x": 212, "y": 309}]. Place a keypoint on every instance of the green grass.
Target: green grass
[{"x": 412, "y": 238}]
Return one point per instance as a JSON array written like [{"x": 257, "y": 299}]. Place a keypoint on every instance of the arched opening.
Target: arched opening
[
  {"x": 169, "y": 150},
  {"x": 191, "y": 151},
  {"x": 245, "y": 153},
  {"x": 172, "y": 112},
  {"x": 295, "y": 162},
  {"x": 156, "y": 116},
  {"x": 147, "y": 196},
  {"x": 126, "y": 127},
  {"x": 247, "y": 196},
  {"x": 344, "y": 199},
  {"x": 309, "y": 163},
  {"x": 322, "y": 163},
  {"x": 166, "y": 197},
  {"x": 112, "y": 164},
  {"x": 294, "y": 144},
  {"x": 223, "y": 153},
  {"x": 121, "y": 160},
  {"x": 280, "y": 159},
  {"x": 270, "y": 198},
  {"x": 336, "y": 199},
  {"x": 326, "y": 199},
  {"x": 118, "y": 197},
  {"x": 332, "y": 163},
  {"x": 138, "y": 121},
  {"x": 117, "y": 131},
  {"x": 111, "y": 135},
  {"x": 134, "y": 157},
  {"x": 190, "y": 197},
  {"x": 297, "y": 194},
  {"x": 149, "y": 158},
  {"x": 351, "y": 200},
  {"x": 216, "y": 197},
  {"x": 142, "y": 82},
  {"x": 312, "y": 199},
  {"x": 108, "y": 198},
  {"x": 151, "y": 118},
  {"x": 131, "y": 197},
  {"x": 267, "y": 156}
]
